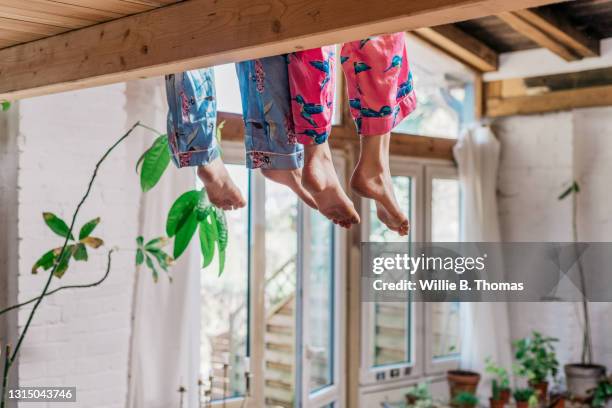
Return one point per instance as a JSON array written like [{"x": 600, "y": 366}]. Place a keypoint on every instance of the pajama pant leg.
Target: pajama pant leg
[
  {"x": 312, "y": 82},
  {"x": 379, "y": 82},
  {"x": 270, "y": 138},
  {"x": 192, "y": 117}
]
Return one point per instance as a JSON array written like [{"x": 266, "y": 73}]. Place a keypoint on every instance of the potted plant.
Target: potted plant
[
  {"x": 465, "y": 399},
  {"x": 496, "y": 400},
  {"x": 602, "y": 394},
  {"x": 462, "y": 381},
  {"x": 418, "y": 396},
  {"x": 525, "y": 397},
  {"x": 537, "y": 360},
  {"x": 501, "y": 377},
  {"x": 584, "y": 376}
]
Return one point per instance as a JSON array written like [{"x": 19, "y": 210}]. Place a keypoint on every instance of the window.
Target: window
[
  {"x": 224, "y": 308},
  {"x": 444, "y": 91},
  {"x": 284, "y": 281},
  {"x": 407, "y": 340}
]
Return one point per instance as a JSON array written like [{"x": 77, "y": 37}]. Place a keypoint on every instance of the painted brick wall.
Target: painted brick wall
[
  {"x": 539, "y": 155},
  {"x": 79, "y": 337}
]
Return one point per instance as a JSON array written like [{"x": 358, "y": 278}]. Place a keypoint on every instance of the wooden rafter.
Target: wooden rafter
[
  {"x": 553, "y": 32},
  {"x": 200, "y": 33},
  {"x": 461, "y": 46}
]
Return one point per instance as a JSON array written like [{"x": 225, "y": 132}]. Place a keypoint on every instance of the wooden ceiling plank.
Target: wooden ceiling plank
[
  {"x": 33, "y": 16},
  {"x": 538, "y": 36},
  {"x": 462, "y": 46},
  {"x": 28, "y": 27},
  {"x": 17, "y": 36},
  {"x": 199, "y": 33},
  {"x": 114, "y": 6},
  {"x": 62, "y": 9},
  {"x": 560, "y": 28}
]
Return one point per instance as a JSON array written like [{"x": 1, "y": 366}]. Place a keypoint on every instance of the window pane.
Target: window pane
[
  {"x": 280, "y": 257},
  {"x": 446, "y": 329},
  {"x": 224, "y": 306},
  {"x": 445, "y": 210},
  {"x": 228, "y": 91},
  {"x": 391, "y": 322},
  {"x": 445, "y": 226},
  {"x": 320, "y": 302}
]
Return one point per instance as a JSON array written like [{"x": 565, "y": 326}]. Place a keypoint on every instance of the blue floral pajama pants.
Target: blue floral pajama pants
[{"x": 270, "y": 139}]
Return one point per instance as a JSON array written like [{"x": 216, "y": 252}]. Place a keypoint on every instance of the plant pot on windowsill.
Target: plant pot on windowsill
[
  {"x": 493, "y": 403},
  {"x": 541, "y": 389},
  {"x": 582, "y": 379},
  {"x": 462, "y": 381},
  {"x": 505, "y": 394}
]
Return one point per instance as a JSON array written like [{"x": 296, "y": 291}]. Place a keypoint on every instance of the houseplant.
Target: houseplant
[
  {"x": 583, "y": 377},
  {"x": 465, "y": 399},
  {"x": 602, "y": 394},
  {"x": 418, "y": 396},
  {"x": 462, "y": 381},
  {"x": 496, "y": 400},
  {"x": 536, "y": 360},
  {"x": 525, "y": 397},
  {"x": 502, "y": 378}
]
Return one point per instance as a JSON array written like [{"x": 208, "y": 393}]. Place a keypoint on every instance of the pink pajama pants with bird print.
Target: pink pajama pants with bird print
[{"x": 378, "y": 80}]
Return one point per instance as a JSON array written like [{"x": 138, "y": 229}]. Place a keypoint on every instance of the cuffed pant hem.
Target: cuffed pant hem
[
  {"x": 380, "y": 126},
  {"x": 276, "y": 161}
]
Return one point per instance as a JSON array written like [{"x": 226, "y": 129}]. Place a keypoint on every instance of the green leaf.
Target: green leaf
[
  {"x": 46, "y": 261},
  {"x": 574, "y": 188},
  {"x": 88, "y": 228},
  {"x": 57, "y": 225},
  {"x": 222, "y": 235},
  {"x": 207, "y": 245},
  {"x": 157, "y": 243},
  {"x": 139, "y": 240},
  {"x": 64, "y": 260},
  {"x": 92, "y": 242},
  {"x": 184, "y": 235},
  {"x": 6, "y": 105},
  {"x": 180, "y": 211},
  {"x": 221, "y": 262},
  {"x": 163, "y": 259},
  {"x": 153, "y": 269},
  {"x": 80, "y": 253},
  {"x": 139, "y": 257},
  {"x": 155, "y": 162}
]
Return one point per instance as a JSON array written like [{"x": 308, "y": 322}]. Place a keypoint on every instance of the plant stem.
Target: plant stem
[
  {"x": 11, "y": 359},
  {"x": 51, "y": 292},
  {"x": 587, "y": 351}
]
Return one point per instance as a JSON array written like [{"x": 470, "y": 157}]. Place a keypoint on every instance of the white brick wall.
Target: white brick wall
[
  {"x": 539, "y": 154},
  {"x": 79, "y": 337}
]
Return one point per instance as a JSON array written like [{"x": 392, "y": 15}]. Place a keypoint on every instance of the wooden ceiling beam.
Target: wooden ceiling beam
[
  {"x": 199, "y": 33},
  {"x": 553, "y": 32},
  {"x": 460, "y": 45}
]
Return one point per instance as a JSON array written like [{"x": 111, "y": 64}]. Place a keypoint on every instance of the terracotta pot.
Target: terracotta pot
[
  {"x": 505, "y": 394},
  {"x": 522, "y": 404},
  {"x": 411, "y": 399},
  {"x": 462, "y": 381},
  {"x": 582, "y": 379},
  {"x": 496, "y": 403},
  {"x": 557, "y": 401},
  {"x": 541, "y": 388}
]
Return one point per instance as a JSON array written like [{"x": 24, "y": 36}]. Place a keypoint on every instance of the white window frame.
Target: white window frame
[
  {"x": 422, "y": 364},
  {"x": 234, "y": 153}
]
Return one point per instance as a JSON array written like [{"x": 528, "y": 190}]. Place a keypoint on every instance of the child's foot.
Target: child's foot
[
  {"x": 320, "y": 179},
  {"x": 293, "y": 180},
  {"x": 220, "y": 188},
  {"x": 372, "y": 179}
]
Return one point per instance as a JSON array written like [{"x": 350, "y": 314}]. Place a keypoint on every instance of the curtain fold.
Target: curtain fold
[
  {"x": 487, "y": 332},
  {"x": 164, "y": 350}
]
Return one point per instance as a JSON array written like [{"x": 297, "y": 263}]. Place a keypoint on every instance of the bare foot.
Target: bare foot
[
  {"x": 220, "y": 188},
  {"x": 320, "y": 179},
  {"x": 293, "y": 180},
  {"x": 372, "y": 179}
]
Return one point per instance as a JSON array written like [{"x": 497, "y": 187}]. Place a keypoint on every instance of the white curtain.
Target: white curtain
[
  {"x": 487, "y": 332},
  {"x": 164, "y": 353}
]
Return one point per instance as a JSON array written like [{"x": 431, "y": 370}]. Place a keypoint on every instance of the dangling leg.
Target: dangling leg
[
  {"x": 381, "y": 96},
  {"x": 192, "y": 118},
  {"x": 312, "y": 80},
  {"x": 270, "y": 140}
]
